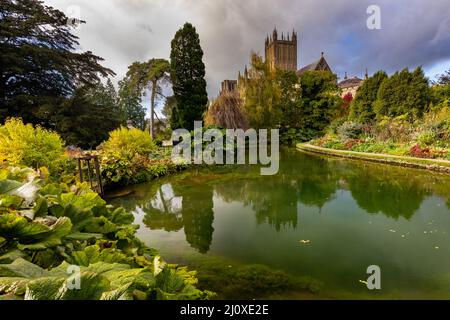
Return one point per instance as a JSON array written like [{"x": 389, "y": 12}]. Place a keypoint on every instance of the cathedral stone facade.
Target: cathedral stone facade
[{"x": 282, "y": 52}]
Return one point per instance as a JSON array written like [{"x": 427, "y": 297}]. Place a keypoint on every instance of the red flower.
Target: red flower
[{"x": 348, "y": 98}]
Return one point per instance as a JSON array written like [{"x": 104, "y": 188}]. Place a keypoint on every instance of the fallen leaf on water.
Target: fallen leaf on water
[
  {"x": 363, "y": 282},
  {"x": 436, "y": 247},
  {"x": 305, "y": 241}
]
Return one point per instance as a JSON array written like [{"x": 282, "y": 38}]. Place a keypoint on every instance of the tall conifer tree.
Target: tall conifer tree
[{"x": 188, "y": 78}]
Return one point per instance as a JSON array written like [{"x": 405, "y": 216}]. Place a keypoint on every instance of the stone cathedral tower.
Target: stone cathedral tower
[{"x": 282, "y": 52}]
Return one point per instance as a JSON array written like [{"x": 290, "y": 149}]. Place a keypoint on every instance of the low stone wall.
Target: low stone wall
[{"x": 411, "y": 162}]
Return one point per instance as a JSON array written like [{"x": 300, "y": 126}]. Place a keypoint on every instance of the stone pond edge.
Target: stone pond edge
[{"x": 410, "y": 162}]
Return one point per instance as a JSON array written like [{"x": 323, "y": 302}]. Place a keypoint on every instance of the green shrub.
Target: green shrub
[
  {"x": 350, "y": 130},
  {"x": 335, "y": 124},
  {"x": 427, "y": 137},
  {"x": 290, "y": 136},
  {"x": 437, "y": 123},
  {"x": 23, "y": 144},
  {"x": 440, "y": 93},
  {"x": 123, "y": 171},
  {"x": 333, "y": 144},
  {"x": 165, "y": 135},
  {"x": 126, "y": 143},
  {"x": 398, "y": 129}
]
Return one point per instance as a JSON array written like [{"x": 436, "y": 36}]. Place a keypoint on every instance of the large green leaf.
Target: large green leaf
[
  {"x": 14, "y": 286},
  {"x": 83, "y": 236},
  {"x": 122, "y": 293},
  {"x": 46, "y": 288},
  {"x": 79, "y": 217},
  {"x": 14, "y": 226},
  {"x": 52, "y": 238},
  {"x": 51, "y": 190},
  {"x": 11, "y": 256},
  {"x": 23, "y": 269},
  {"x": 121, "y": 216},
  {"x": 9, "y": 201},
  {"x": 99, "y": 280},
  {"x": 41, "y": 207},
  {"x": 94, "y": 254},
  {"x": 7, "y": 186},
  {"x": 87, "y": 200},
  {"x": 101, "y": 225}
]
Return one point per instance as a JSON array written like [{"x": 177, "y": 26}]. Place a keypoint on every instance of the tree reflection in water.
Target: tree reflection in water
[
  {"x": 186, "y": 201},
  {"x": 174, "y": 207}
]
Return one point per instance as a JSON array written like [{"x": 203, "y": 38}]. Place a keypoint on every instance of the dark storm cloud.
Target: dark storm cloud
[{"x": 414, "y": 32}]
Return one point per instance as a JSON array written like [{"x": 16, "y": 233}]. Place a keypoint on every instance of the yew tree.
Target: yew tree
[{"x": 39, "y": 63}]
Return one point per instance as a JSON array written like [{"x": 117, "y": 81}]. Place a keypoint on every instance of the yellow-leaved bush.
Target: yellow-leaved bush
[
  {"x": 23, "y": 144},
  {"x": 126, "y": 143}
]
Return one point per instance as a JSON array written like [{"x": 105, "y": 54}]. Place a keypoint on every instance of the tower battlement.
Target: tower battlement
[{"x": 281, "y": 52}]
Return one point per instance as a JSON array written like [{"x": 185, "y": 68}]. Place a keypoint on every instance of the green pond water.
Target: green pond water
[{"x": 310, "y": 231}]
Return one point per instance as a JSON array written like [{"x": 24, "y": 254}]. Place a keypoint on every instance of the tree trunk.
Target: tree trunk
[{"x": 152, "y": 110}]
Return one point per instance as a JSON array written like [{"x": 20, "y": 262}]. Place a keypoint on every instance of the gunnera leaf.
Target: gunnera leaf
[
  {"x": 7, "y": 186},
  {"x": 22, "y": 268},
  {"x": 52, "y": 238},
  {"x": 92, "y": 286},
  {"x": 14, "y": 226},
  {"x": 94, "y": 254}
]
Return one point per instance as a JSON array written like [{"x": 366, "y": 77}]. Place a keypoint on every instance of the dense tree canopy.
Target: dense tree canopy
[
  {"x": 226, "y": 112},
  {"x": 38, "y": 62},
  {"x": 301, "y": 107},
  {"x": 169, "y": 105},
  {"x": 404, "y": 93},
  {"x": 362, "y": 107},
  {"x": 188, "y": 78},
  {"x": 87, "y": 117},
  {"x": 320, "y": 99},
  {"x": 131, "y": 107},
  {"x": 261, "y": 94},
  {"x": 148, "y": 75},
  {"x": 290, "y": 99}
]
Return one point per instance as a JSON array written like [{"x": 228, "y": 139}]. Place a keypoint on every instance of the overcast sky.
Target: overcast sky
[{"x": 413, "y": 32}]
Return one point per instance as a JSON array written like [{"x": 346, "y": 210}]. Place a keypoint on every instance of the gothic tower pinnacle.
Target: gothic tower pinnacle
[{"x": 282, "y": 52}]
